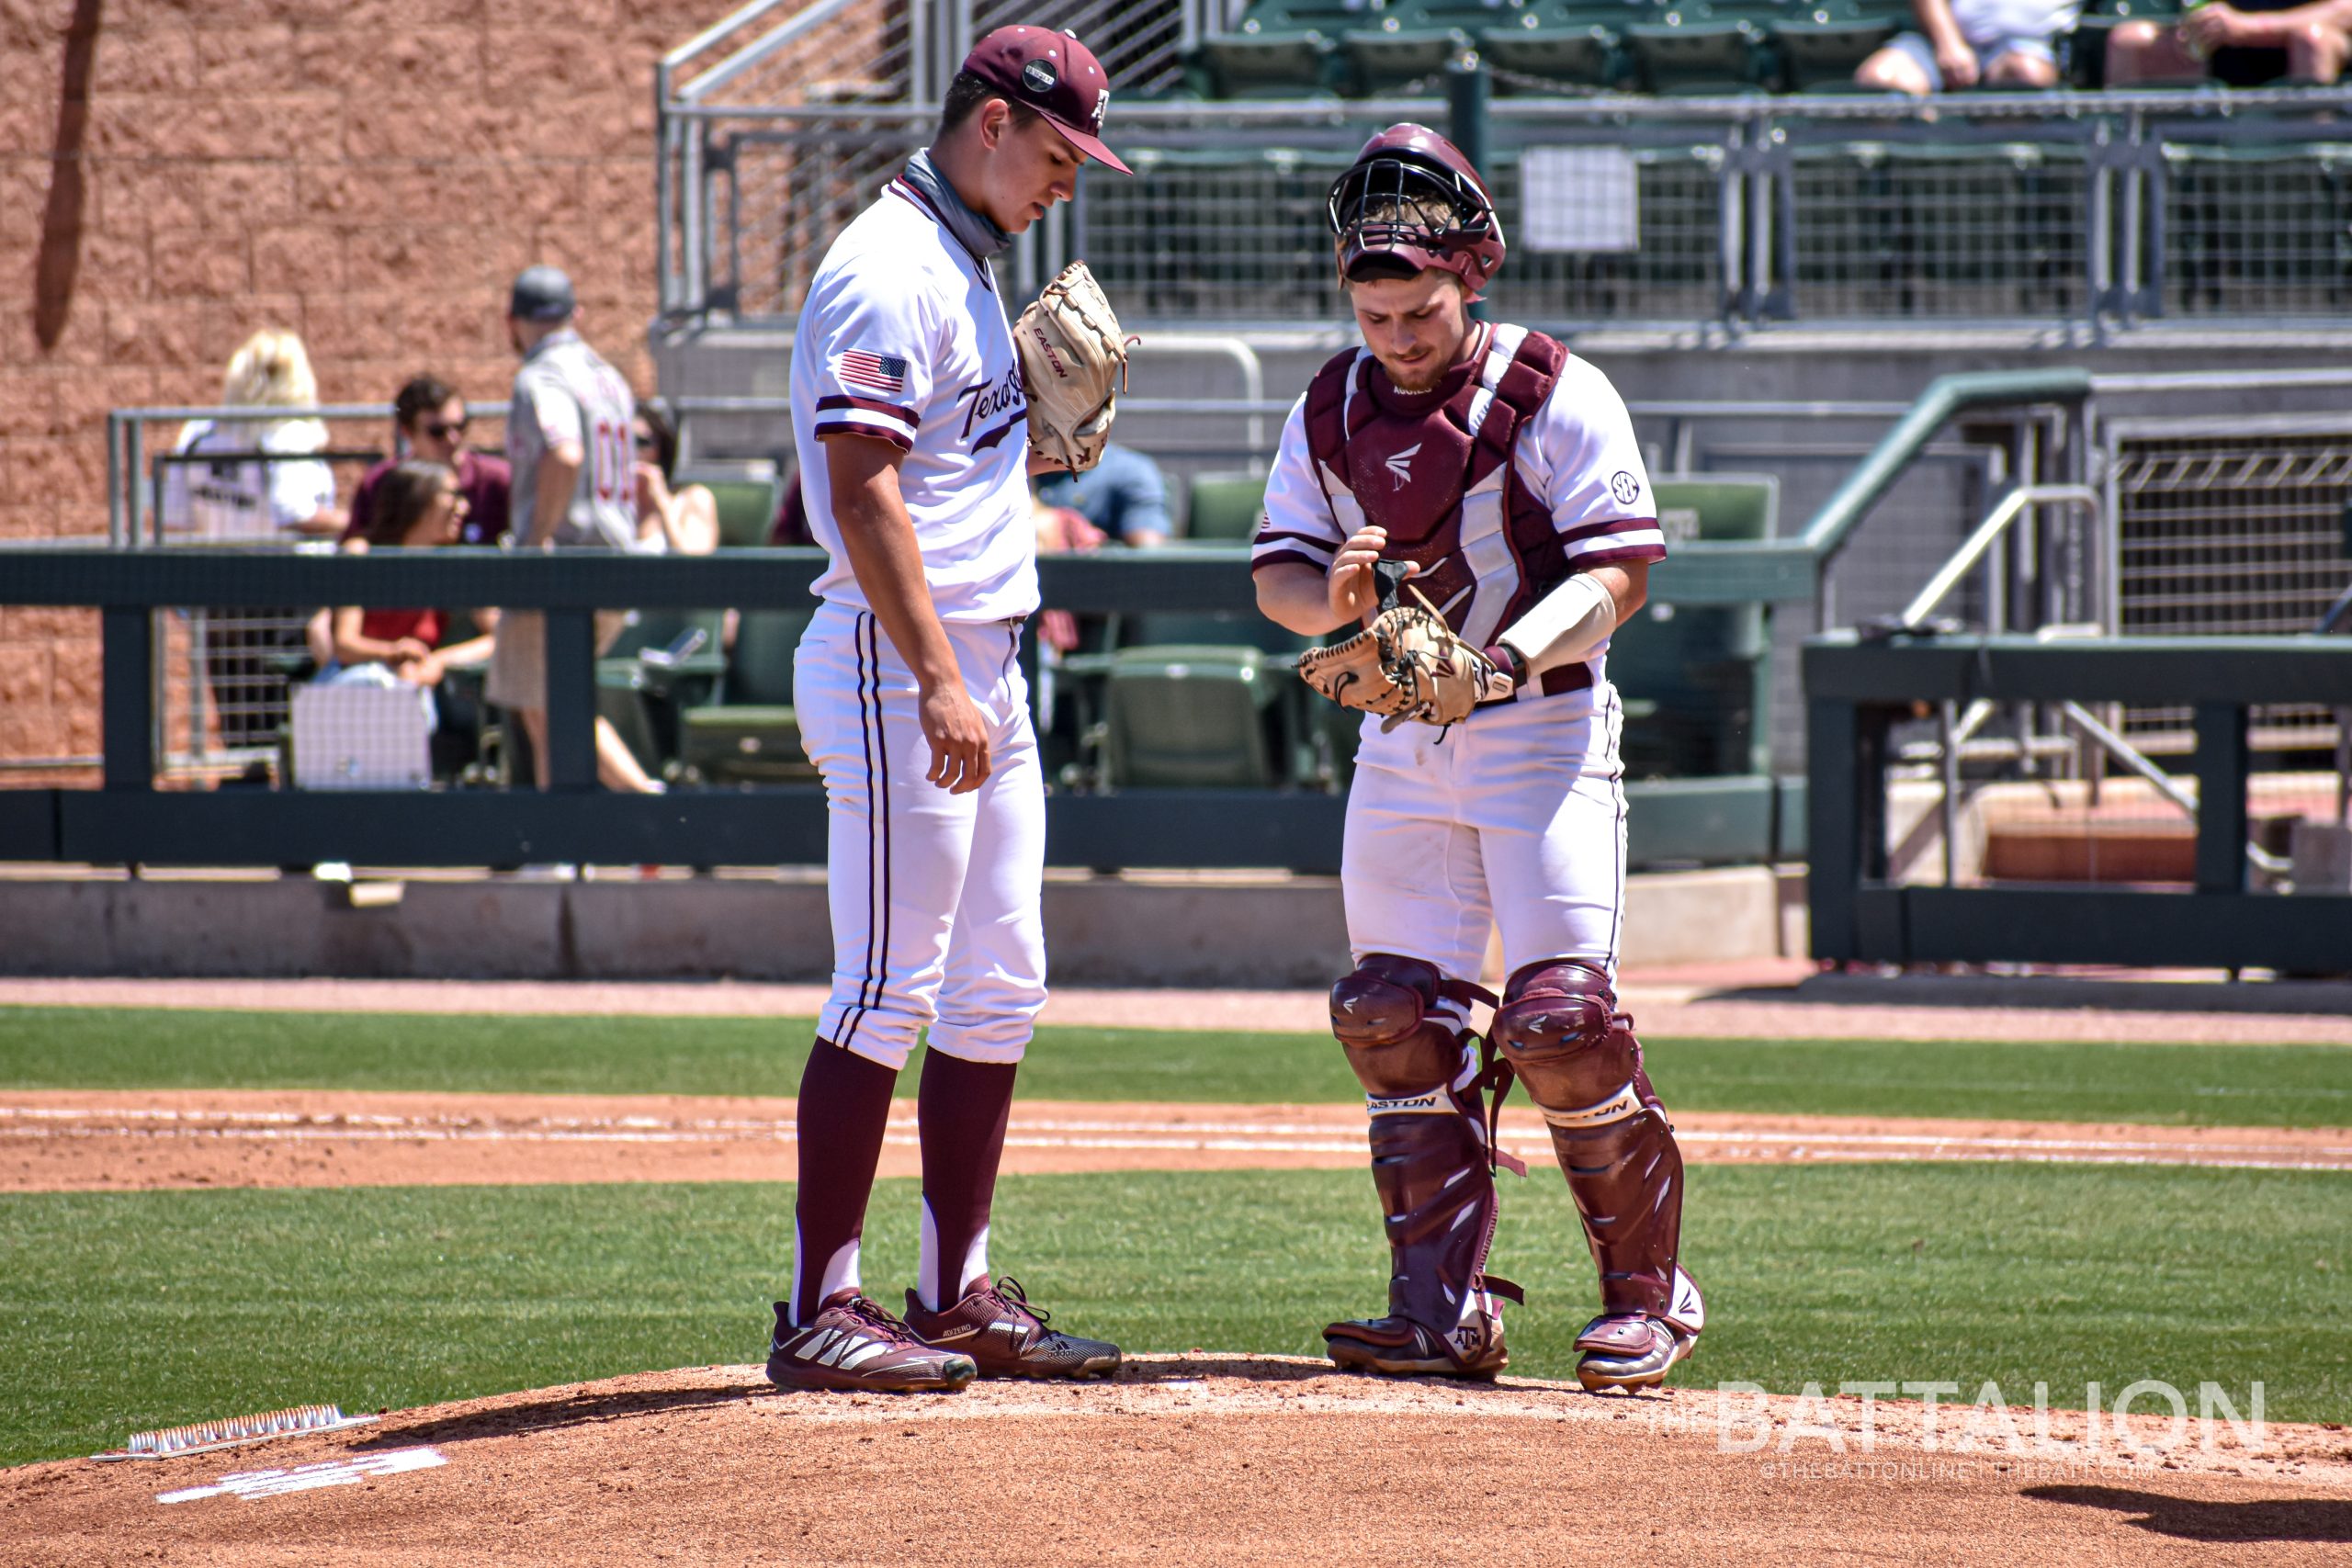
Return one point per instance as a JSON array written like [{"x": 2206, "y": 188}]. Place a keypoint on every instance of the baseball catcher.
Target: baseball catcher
[
  {"x": 1500, "y": 475},
  {"x": 1073, "y": 365}
]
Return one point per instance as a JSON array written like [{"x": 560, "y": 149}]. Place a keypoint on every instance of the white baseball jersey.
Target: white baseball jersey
[
  {"x": 1576, "y": 455},
  {"x": 1514, "y": 820},
  {"x": 565, "y": 391},
  {"x": 240, "y": 498},
  {"x": 904, "y": 339}
]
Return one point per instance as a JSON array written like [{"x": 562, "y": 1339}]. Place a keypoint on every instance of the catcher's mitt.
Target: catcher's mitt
[
  {"x": 1073, "y": 364},
  {"x": 1407, "y": 664}
]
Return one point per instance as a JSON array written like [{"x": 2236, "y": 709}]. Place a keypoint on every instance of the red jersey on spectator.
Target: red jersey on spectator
[
  {"x": 487, "y": 484},
  {"x": 391, "y": 625}
]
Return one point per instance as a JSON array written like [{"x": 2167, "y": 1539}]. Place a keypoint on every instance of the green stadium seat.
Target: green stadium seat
[
  {"x": 1565, "y": 41},
  {"x": 1283, "y": 48},
  {"x": 1192, "y": 718},
  {"x": 1694, "y": 679},
  {"x": 747, "y": 509},
  {"x": 1695, "y": 47},
  {"x": 1411, "y": 39},
  {"x": 662, "y": 662},
  {"x": 752, "y": 735},
  {"x": 1225, "y": 506},
  {"x": 1823, "y": 44}
]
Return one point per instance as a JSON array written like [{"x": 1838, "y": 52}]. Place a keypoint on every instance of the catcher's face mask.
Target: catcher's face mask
[{"x": 1411, "y": 203}]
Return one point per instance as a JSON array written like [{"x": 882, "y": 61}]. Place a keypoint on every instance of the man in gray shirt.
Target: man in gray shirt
[{"x": 569, "y": 435}]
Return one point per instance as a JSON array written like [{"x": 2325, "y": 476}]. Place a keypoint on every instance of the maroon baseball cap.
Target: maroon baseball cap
[{"x": 1055, "y": 74}]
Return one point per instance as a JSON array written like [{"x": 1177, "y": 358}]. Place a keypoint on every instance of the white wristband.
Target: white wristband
[{"x": 1565, "y": 626}]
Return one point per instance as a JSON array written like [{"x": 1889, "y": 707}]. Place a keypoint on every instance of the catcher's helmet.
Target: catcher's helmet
[{"x": 1411, "y": 201}]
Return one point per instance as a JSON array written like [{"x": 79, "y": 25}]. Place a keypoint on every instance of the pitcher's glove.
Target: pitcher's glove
[
  {"x": 1073, "y": 365},
  {"x": 1407, "y": 664}
]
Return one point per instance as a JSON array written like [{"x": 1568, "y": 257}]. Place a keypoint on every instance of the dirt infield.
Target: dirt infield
[
  {"x": 1194, "y": 1458},
  {"x": 73, "y": 1140},
  {"x": 1185, "y": 1459}
]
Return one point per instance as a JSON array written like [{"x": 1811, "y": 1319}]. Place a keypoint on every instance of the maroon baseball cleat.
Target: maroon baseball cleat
[
  {"x": 1631, "y": 1350},
  {"x": 1401, "y": 1348},
  {"x": 854, "y": 1345},
  {"x": 997, "y": 1327}
]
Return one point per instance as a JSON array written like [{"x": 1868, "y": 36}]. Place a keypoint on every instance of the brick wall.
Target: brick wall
[{"x": 177, "y": 174}]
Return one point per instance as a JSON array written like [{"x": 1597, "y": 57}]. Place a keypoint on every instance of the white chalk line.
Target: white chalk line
[{"x": 40, "y": 1123}]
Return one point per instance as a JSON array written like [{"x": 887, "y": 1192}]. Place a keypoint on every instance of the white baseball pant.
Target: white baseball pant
[
  {"x": 934, "y": 896},
  {"x": 1515, "y": 820}
]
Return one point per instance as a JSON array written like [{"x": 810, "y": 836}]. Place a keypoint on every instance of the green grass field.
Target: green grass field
[
  {"x": 2268, "y": 1086},
  {"x": 123, "y": 1311},
  {"x": 120, "y": 1311}
]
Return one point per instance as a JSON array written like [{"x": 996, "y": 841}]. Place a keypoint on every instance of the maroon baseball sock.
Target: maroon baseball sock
[
  {"x": 844, "y": 1106},
  {"x": 964, "y": 1106}
]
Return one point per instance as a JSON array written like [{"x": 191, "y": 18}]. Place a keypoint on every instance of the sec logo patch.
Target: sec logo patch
[{"x": 1625, "y": 487}]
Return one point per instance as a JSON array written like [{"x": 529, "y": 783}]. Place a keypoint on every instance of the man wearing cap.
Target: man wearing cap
[
  {"x": 569, "y": 432},
  {"x": 909, "y": 412},
  {"x": 1500, "y": 474}
]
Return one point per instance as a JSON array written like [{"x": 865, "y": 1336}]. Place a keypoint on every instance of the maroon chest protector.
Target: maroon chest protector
[{"x": 1410, "y": 462}]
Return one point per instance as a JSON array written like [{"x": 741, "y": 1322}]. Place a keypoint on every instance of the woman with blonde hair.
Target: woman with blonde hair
[
  {"x": 253, "y": 481},
  {"x": 260, "y": 478}
]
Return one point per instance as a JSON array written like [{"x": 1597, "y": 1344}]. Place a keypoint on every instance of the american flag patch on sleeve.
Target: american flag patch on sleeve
[{"x": 883, "y": 373}]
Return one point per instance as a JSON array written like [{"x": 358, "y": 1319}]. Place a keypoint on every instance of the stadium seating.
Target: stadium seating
[
  {"x": 751, "y": 734},
  {"x": 1703, "y": 47},
  {"x": 1576, "y": 41},
  {"x": 1283, "y": 48},
  {"x": 1408, "y": 40},
  {"x": 1192, "y": 718},
  {"x": 748, "y": 500},
  {"x": 1674, "y": 47},
  {"x": 1820, "y": 46},
  {"x": 1224, "y": 506},
  {"x": 663, "y": 663}
]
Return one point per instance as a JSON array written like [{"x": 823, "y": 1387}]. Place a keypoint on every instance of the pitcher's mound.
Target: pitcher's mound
[{"x": 1193, "y": 1459}]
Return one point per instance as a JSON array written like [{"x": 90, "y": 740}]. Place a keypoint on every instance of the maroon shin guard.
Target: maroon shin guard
[
  {"x": 1626, "y": 1178},
  {"x": 1429, "y": 1164},
  {"x": 844, "y": 1108},
  {"x": 1559, "y": 1028},
  {"x": 964, "y": 1107}
]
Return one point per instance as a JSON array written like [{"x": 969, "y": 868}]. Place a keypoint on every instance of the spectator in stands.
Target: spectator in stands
[
  {"x": 2247, "y": 45},
  {"x": 1125, "y": 495},
  {"x": 263, "y": 482},
  {"x": 419, "y": 506},
  {"x": 1969, "y": 43},
  {"x": 668, "y": 521},
  {"x": 429, "y": 423},
  {"x": 247, "y": 481},
  {"x": 566, "y": 427}
]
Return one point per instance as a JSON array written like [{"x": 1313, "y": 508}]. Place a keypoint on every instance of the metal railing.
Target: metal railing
[
  {"x": 1863, "y": 694},
  {"x": 133, "y": 817},
  {"x": 2084, "y": 212}
]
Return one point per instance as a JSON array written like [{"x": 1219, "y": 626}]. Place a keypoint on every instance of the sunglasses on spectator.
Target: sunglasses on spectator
[
  {"x": 441, "y": 430},
  {"x": 644, "y": 443}
]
